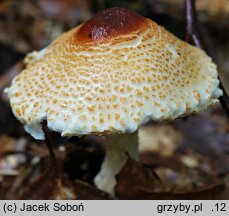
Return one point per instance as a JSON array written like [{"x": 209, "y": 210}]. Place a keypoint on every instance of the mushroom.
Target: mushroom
[{"x": 108, "y": 77}]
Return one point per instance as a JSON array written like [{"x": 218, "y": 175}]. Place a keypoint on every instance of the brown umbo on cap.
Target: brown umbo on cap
[
  {"x": 112, "y": 74},
  {"x": 108, "y": 24}
]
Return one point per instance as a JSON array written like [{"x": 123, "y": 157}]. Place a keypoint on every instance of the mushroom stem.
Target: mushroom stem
[{"x": 119, "y": 147}]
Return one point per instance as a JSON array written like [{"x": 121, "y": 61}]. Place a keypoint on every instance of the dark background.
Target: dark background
[{"x": 199, "y": 144}]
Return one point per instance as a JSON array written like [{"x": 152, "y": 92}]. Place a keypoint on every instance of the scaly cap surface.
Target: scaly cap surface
[{"x": 110, "y": 75}]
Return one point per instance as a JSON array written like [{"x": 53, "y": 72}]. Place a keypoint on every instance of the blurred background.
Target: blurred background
[{"x": 190, "y": 156}]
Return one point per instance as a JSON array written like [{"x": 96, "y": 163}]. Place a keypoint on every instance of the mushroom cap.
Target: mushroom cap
[{"x": 112, "y": 74}]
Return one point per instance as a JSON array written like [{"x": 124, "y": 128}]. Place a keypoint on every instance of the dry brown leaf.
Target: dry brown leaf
[
  {"x": 137, "y": 181},
  {"x": 53, "y": 184},
  {"x": 12, "y": 153}
]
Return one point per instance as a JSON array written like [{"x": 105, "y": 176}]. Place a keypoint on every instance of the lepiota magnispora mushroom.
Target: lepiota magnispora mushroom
[{"x": 108, "y": 77}]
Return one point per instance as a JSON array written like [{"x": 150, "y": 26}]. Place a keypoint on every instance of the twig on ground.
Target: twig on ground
[{"x": 193, "y": 36}]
